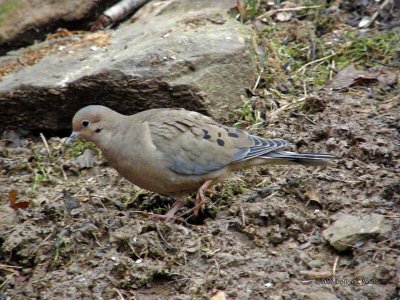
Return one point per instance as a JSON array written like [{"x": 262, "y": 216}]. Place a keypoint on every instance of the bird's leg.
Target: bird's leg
[
  {"x": 179, "y": 203},
  {"x": 200, "y": 198}
]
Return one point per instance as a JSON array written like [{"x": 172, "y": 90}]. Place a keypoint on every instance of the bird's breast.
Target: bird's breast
[{"x": 139, "y": 162}]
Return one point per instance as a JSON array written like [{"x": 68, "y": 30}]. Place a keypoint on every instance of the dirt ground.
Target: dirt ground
[{"x": 87, "y": 233}]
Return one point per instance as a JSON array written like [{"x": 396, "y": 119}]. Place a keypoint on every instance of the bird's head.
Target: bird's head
[{"x": 91, "y": 123}]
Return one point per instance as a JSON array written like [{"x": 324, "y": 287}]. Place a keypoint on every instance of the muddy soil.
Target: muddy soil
[
  {"x": 87, "y": 233},
  {"x": 258, "y": 238}
]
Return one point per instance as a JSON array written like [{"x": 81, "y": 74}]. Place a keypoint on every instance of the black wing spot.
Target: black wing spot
[
  {"x": 232, "y": 134},
  {"x": 219, "y": 134},
  {"x": 206, "y": 135},
  {"x": 220, "y": 142}
]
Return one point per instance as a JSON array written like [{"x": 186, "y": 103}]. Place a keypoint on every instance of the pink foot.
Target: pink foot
[
  {"x": 170, "y": 215},
  {"x": 200, "y": 197}
]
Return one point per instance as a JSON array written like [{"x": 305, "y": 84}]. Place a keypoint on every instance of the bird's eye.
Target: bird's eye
[{"x": 85, "y": 123}]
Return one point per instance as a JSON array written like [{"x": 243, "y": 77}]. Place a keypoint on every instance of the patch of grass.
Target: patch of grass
[
  {"x": 248, "y": 9},
  {"x": 302, "y": 55},
  {"x": 40, "y": 173},
  {"x": 228, "y": 191},
  {"x": 47, "y": 167},
  {"x": 289, "y": 47},
  {"x": 252, "y": 7},
  {"x": 297, "y": 59},
  {"x": 38, "y": 178},
  {"x": 59, "y": 244},
  {"x": 372, "y": 50},
  {"x": 79, "y": 146},
  {"x": 134, "y": 196},
  {"x": 8, "y": 6},
  {"x": 249, "y": 116}
]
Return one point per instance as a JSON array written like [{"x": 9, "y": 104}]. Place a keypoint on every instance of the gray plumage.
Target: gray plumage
[{"x": 175, "y": 151}]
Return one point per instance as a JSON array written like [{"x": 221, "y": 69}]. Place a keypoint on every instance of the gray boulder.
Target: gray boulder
[{"x": 189, "y": 54}]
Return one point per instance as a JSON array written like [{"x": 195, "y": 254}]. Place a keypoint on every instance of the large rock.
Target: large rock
[
  {"x": 189, "y": 54},
  {"x": 349, "y": 229},
  {"x": 23, "y": 21}
]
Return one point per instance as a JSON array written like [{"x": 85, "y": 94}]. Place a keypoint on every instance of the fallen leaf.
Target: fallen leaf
[
  {"x": 312, "y": 196},
  {"x": 316, "y": 274},
  {"x": 350, "y": 76},
  {"x": 12, "y": 199}
]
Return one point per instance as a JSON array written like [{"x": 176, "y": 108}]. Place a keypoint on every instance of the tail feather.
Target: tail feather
[{"x": 308, "y": 159}]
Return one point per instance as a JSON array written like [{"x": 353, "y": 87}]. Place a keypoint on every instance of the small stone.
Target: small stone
[
  {"x": 86, "y": 160},
  {"x": 43, "y": 152},
  {"x": 315, "y": 263},
  {"x": 381, "y": 142},
  {"x": 280, "y": 276},
  {"x": 366, "y": 203},
  {"x": 349, "y": 229},
  {"x": 284, "y": 16},
  {"x": 366, "y": 272},
  {"x": 191, "y": 250},
  {"x": 26, "y": 271},
  {"x": 70, "y": 203},
  {"x": 349, "y": 165},
  {"x": 304, "y": 257},
  {"x": 268, "y": 284}
]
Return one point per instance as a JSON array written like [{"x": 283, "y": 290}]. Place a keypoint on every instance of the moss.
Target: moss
[{"x": 228, "y": 191}]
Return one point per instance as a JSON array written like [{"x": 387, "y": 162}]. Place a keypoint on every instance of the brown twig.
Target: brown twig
[
  {"x": 274, "y": 11},
  {"x": 169, "y": 246},
  {"x": 5, "y": 267},
  {"x": 285, "y": 107},
  {"x": 121, "y": 297},
  {"x": 116, "y": 13},
  {"x": 258, "y": 80},
  {"x": 45, "y": 143},
  {"x": 335, "y": 266},
  {"x": 243, "y": 216}
]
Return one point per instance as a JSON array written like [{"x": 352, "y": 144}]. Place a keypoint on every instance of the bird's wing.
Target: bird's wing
[{"x": 193, "y": 144}]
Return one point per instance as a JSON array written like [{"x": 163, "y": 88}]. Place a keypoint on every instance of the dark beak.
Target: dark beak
[{"x": 74, "y": 135}]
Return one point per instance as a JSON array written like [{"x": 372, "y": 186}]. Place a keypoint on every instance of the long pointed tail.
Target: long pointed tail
[{"x": 308, "y": 159}]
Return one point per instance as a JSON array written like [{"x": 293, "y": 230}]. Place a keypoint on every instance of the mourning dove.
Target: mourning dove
[{"x": 175, "y": 152}]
